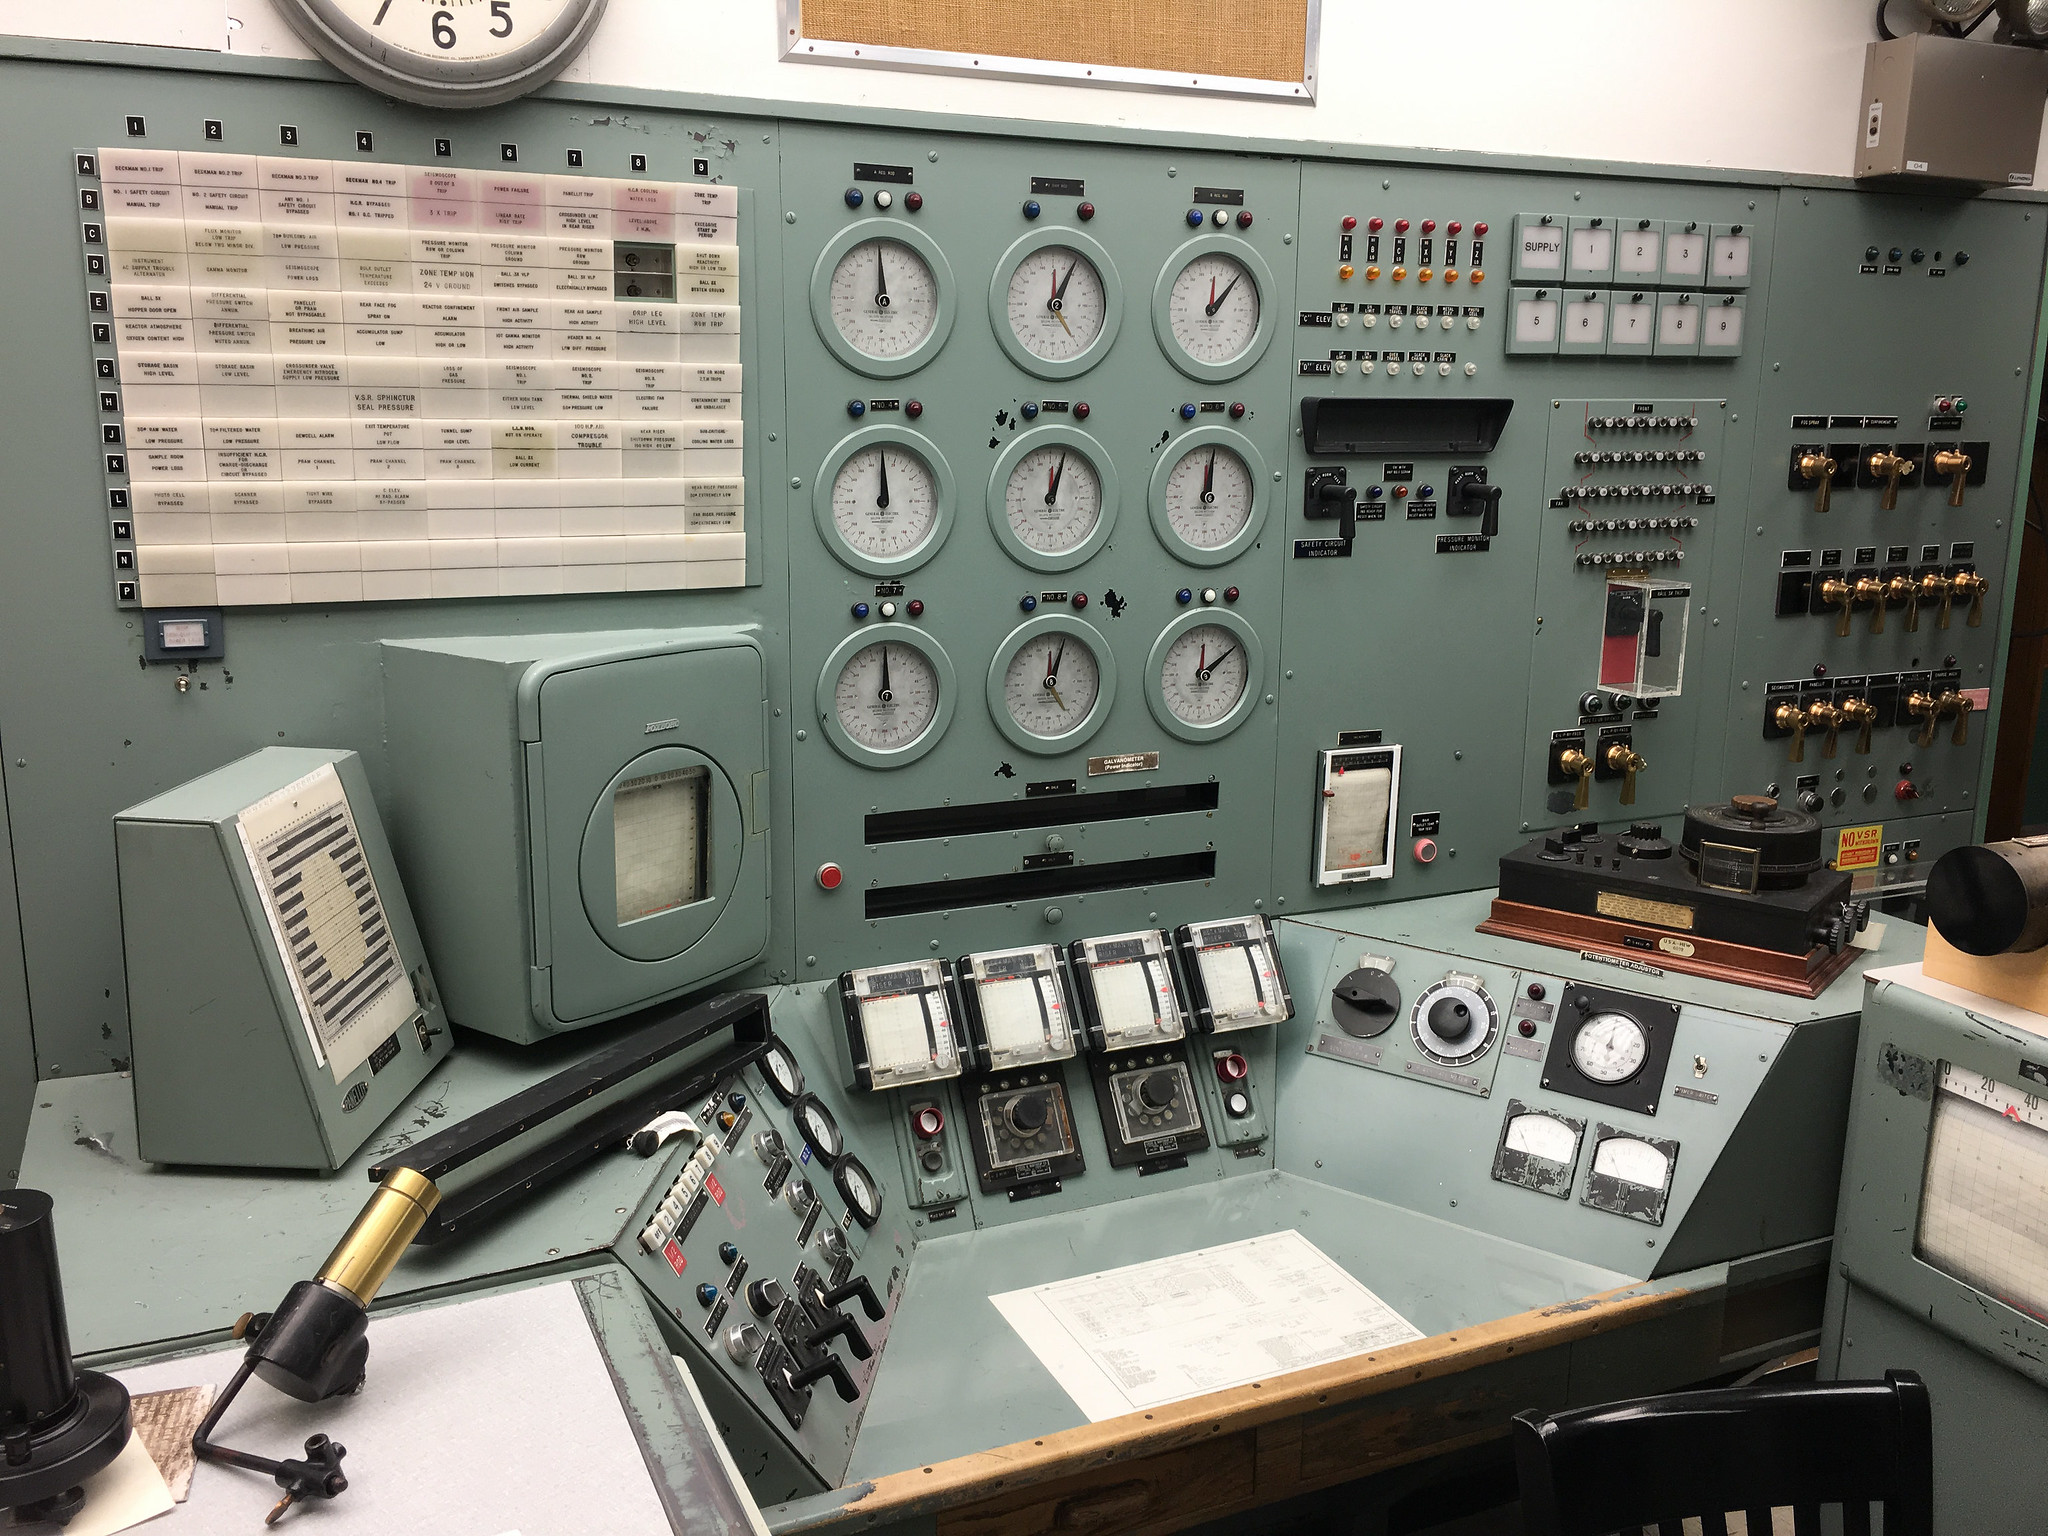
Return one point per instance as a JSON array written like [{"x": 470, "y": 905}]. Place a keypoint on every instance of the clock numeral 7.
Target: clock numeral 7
[
  {"x": 501, "y": 10},
  {"x": 382, "y": 11}
]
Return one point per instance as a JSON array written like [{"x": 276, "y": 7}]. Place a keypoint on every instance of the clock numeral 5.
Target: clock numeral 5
[{"x": 501, "y": 10}]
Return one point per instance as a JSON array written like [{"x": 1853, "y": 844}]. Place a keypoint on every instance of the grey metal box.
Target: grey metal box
[
  {"x": 245, "y": 1055},
  {"x": 1942, "y": 110},
  {"x": 509, "y": 755}
]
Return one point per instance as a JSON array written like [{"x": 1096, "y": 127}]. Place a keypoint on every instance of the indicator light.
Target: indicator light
[
  {"x": 1400, "y": 226},
  {"x": 1424, "y": 275},
  {"x": 1080, "y": 410},
  {"x": 856, "y": 409},
  {"x": 1184, "y": 596},
  {"x": 1376, "y": 225},
  {"x": 1478, "y": 229},
  {"x": 1450, "y": 274},
  {"x": 1244, "y": 218},
  {"x": 860, "y": 610},
  {"x": 1230, "y": 594},
  {"x": 926, "y": 1123},
  {"x": 1029, "y": 410},
  {"x": 854, "y": 197},
  {"x": 1027, "y": 602},
  {"x": 1344, "y": 273},
  {"x": 1962, "y": 405},
  {"x": 913, "y": 201},
  {"x": 1350, "y": 222},
  {"x": 1429, "y": 226},
  {"x": 1374, "y": 492},
  {"x": 1453, "y": 227},
  {"x": 1031, "y": 208},
  {"x": 884, "y": 198},
  {"x": 1372, "y": 274},
  {"x": 1081, "y": 601},
  {"x": 1399, "y": 273},
  {"x": 913, "y": 409},
  {"x": 1187, "y": 410},
  {"x": 1400, "y": 490},
  {"x": 1220, "y": 217},
  {"x": 1085, "y": 211},
  {"x": 1476, "y": 278},
  {"x": 915, "y": 608},
  {"x": 1194, "y": 218},
  {"x": 1236, "y": 410}
]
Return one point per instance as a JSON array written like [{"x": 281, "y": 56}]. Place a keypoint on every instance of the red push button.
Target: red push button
[
  {"x": 1232, "y": 1068},
  {"x": 829, "y": 876},
  {"x": 926, "y": 1123},
  {"x": 1425, "y": 850}
]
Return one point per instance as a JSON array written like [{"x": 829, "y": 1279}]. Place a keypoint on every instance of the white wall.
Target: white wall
[{"x": 1761, "y": 84}]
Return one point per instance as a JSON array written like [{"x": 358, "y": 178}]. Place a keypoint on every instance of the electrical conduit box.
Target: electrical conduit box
[
  {"x": 280, "y": 1005},
  {"x": 1961, "y": 115},
  {"x": 582, "y": 818}
]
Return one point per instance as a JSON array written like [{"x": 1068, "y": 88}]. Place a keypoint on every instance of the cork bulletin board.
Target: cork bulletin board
[{"x": 1244, "y": 47}]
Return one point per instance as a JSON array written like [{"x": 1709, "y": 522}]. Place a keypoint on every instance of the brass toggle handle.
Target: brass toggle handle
[
  {"x": 1826, "y": 715},
  {"x": 1924, "y": 706},
  {"x": 1837, "y": 593},
  {"x": 1955, "y": 465},
  {"x": 1890, "y": 468},
  {"x": 1974, "y": 586},
  {"x": 1790, "y": 717},
  {"x": 1580, "y": 767},
  {"x": 1869, "y": 589},
  {"x": 1626, "y": 761},
  {"x": 1958, "y": 704},
  {"x": 1818, "y": 471},
  {"x": 1859, "y": 712},
  {"x": 1926, "y": 590}
]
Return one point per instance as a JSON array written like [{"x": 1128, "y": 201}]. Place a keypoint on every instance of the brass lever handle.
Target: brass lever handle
[
  {"x": 1924, "y": 706},
  {"x": 1862, "y": 713},
  {"x": 1869, "y": 589},
  {"x": 1580, "y": 767},
  {"x": 1818, "y": 471},
  {"x": 1958, "y": 704},
  {"x": 1956, "y": 466},
  {"x": 1837, "y": 593},
  {"x": 1974, "y": 586},
  {"x": 1790, "y": 717},
  {"x": 1890, "y": 468},
  {"x": 1626, "y": 761},
  {"x": 1928, "y": 588},
  {"x": 1831, "y": 718}
]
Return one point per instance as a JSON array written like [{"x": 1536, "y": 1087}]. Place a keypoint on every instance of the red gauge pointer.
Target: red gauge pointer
[{"x": 1216, "y": 302}]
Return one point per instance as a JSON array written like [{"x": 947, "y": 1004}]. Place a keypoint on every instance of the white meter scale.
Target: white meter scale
[
  {"x": 1053, "y": 501},
  {"x": 1208, "y": 497},
  {"x": 887, "y": 696},
  {"x": 1051, "y": 685},
  {"x": 885, "y": 501},
  {"x": 1057, "y": 303},
  {"x": 1984, "y": 1199},
  {"x": 1204, "y": 675},
  {"x": 1610, "y": 1048},
  {"x": 1213, "y": 309},
  {"x": 884, "y": 299}
]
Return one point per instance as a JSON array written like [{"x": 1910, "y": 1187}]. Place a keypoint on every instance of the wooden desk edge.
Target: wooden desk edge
[{"x": 1135, "y": 1436}]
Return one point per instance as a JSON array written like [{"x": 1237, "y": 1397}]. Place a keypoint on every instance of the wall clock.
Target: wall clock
[{"x": 447, "y": 53}]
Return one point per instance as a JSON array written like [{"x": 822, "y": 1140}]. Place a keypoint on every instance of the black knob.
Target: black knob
[
  {"x": 1897, "y": 253},
  {"x": 1365, "y": 1002},
  {"x": 764, "y": 1296},
  {"x": 828, "y": 1364},
  {"x": 1027, "y": 1115},
  {"x": 1870, "y": 253},
  {"x": 1809, "y": 801},
  {"x": 1962, "y": 258},
  {"x": 728, "y": 1253},
  {"x": 1918, "y": 256},
  {"x": 1646, "y": 830},
  {"x": 1157, "y": 1091},
  {"x": 1450, "y": 1019}
]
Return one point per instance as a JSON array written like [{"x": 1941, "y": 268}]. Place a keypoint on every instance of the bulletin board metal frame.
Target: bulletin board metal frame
[{"x": 950, "y": 54}]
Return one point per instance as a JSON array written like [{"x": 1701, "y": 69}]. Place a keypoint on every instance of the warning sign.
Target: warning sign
[
  {"x": 674, "y": 1254},
  {"x": 1859, "y": 847}
]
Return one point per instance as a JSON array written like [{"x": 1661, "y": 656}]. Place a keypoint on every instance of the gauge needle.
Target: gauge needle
[
  {"x": 886, "y": 695},
  {"x": 1209, "y": 480},
  {"x": 1057, "y": 304},
  {"x": 882, "y": 495},
  {"x": 1216, "y": 302},
  {"x": 882, "y": 282},
  {"x": 1052, "y": 481},
  {"x": 1205, "y": 673}
]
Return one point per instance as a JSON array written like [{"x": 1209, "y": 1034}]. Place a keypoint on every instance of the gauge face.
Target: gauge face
[
  {"x": 1204, "y": 675},
  {"x": 1543, "y": 1136},
  {"x": 1633, "y": 1162},
  {"x": 1054, "y": 498},
  {"x": 1610, "y": 1048},
  {"x": 1208, "y": 496},
  {"x": 784, "y": 1076},
  {"x": 884, "y": 298},
  {"x": 885, "y": 501},
  {"x": 887, "y": 695},
  {"x": 820, "y": 1130},
  {"x": 1051, "y": 684},
  {"x": 1213, "y": 310},
  {"x": 1057, "y": 303},
  {"x": 857, "y": 1188}
]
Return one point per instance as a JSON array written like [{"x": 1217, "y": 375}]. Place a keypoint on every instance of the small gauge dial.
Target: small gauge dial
[
  {"x": 1054, "y": 498},
  {"x": 884, "y": 298},
  {"x": 1610, "y": 1048},
  {"x": 785, "y": 1077},
  {"x": 1204, "y": 675},
  {"x": 1057, "y": 303},
  {"x": 1213, "y": 308},
  {"x": 1051, "y": 684},
  {"x": 887, "y": 695},
  {"x": 1208, "y": 496},
  {"x": 858, "y": 1189},
  {"x": 885, "y": 501},
  {"x": 817, "y": 1127}
]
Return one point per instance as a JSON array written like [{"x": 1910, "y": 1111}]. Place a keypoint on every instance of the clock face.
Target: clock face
[{"x": 447, "y": 52}]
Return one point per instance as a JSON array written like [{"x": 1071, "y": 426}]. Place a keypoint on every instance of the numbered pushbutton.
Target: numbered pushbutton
[{"x": 1533, "y": 326}]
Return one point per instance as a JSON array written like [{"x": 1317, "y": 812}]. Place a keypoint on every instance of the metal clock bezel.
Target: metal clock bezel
[
  {"x": 998, "y": 671},
  {"x": 344, "y": 43},
  {"x": 1254, "y": 673},
  {"x": 1178, "y": 449},
  {"x": 828, "y": 694},
  {"x": 998, "y": 496},
  {"x": 1162, "y": 295},
  {"x": 821, "y": 297},
  {"x": 828, "y": 476},
  {"x": 999, "y": 302}
]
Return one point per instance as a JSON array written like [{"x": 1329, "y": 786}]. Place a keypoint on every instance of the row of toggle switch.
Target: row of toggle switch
[
  {"x": 1859, "y": 714},
  {"x": 1631, "y": 524},
  {"x": 1877, "y": 593},
  {"x": 1642, "y": 456},
  {"x": 1818, "y": 468},
  {"x": 1629, "y": 559},
  {"x": 1641, "y": 423},
  {"x": 1635, "y": 492}
]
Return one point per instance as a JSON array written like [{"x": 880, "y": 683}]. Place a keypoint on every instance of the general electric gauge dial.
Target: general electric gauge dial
[
  {"x": 1203, "y": 675},
  {"x": 1454, "y": 1021},
  {"x": 1057, "y": 303},
  {"x": 885, "y": 502},
  {"x": 1610, "y": 1048},
  {"x": 817, "y": 1127},
  {"x": 1206, "y": 499},
  {"x": 885, "y": 299},
  {"x": 885, "y": 695},
  {"x": 785, "y": 1077},
  {"x": 1049, "y": 686},
  {"x": 858, "y": 1189},
  {"x": 1208, "y": 308},
  {"x": 446, "y": 53},
  {"x": 1053, "y": 500}
]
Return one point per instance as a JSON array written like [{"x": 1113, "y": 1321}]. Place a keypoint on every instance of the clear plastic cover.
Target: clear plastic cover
[
  {"x": 1240, "y": 976},
  {"x": 1642, "y": 638},
  {"x": 906, "y": 1023},
  {"x": 1136, "y": 1000},
  {"x": 1022, "y": 998}
]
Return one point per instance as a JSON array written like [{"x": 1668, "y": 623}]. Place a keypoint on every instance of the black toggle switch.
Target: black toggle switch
[
  {"x": 1326, "y": 494},
  {"x": 1471, "y": 496},
  {"x": 857, "y": 1287},
  {"x": 842, "y": 1327},
  {"x": 828, "y": 1364}
]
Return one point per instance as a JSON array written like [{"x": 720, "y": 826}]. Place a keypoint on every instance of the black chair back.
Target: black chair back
[{"x": 1647, "y": 1464}]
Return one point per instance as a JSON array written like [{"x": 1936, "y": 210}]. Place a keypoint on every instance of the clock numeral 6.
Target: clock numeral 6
[{"x": 444, "y": 34}]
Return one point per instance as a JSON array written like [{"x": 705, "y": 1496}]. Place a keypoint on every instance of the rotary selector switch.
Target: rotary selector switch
[
  {"x": 798, "y": 1195},
  {"x": 764, "y": 1296},
  {"x": 1365, "y": 1003},
  {"x": 1454, "y": 1020},
  {"x": 1156, "y": 1093},
  {"x": 767, "y": 1144},
  {"x": 743, "y": 1341},
  {"x": 831, "y": 1243}
]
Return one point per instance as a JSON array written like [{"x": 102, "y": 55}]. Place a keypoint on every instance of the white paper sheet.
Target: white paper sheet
[
  {"x": 125, "y": 1492},
  {"x": 1134, "y": 1001},
  {"x": 1010, "y": 1013},
  {"x": 1124, "y": 1340},
  {"x": 1355, "y": 820},
  {"x": 894, "y": 1026}
]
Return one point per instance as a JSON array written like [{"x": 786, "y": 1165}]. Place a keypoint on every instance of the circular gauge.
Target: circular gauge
[
  {"x": 883, "y": 500},
  {"x": 881, "y": 297},
  {"x": 1453, "y": 1022},
  {"x": 1208, "y": 307},
  {"x": 885, "y": 695},
  {"x": 1204, "y": 674},
  {"x": 1055, "y": 302},
  {"x": 1051, "y": 683},
  {"x": 819, "y": 1130},
  {"x": 1052, "y": 498},
  {"x": 779, "y": 1066},
  {"x": 1207, "y": 497},
  {"x": 1610, "y": 1048},
  {"x": 857, "y": 1187}
]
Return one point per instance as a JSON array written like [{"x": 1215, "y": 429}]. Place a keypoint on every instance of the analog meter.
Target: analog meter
[
  {"x": 1204, "y": 674},
  {"x": 1055, "y": 302},
  {"x": 881, "y": 297},
  {"x": 885, "y": 695},
  {"x": 883, "y": 500},
  {"x": 1207, "y": 500},
  {"x": 1610, "y": 1048},
  {"x": 1051, "y": 683},
  {"x": 1052, "y": 498},
  {"x": 1208, "y": 307}
]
